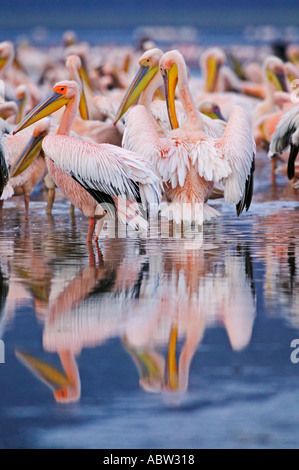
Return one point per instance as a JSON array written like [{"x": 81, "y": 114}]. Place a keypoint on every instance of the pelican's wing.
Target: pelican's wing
[
  {"x": 102, "y": 169},
  {"x": 213, "y": 127},
  {"x": 4, "y": 174},
  {"x": 281, "y": 138},
  {"x": 230, "y": 158},
  {"x": 140, "y": 135},
  {"x": 287, "y": 134},
  {"x": 238, "y": 148},
  {"x": 168, "y": 157}
]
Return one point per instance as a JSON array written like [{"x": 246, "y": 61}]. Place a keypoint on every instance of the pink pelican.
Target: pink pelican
[
  {"x": 89, "y": 174},
  {"x": 188, "y": 160},
  {"x": 100, "y": 132},
  {"x": 146, "y": 83},
  {"x": 30, "y": 167}
]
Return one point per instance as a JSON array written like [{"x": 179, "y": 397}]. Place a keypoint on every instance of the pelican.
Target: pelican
[
  {"x": 30, "y": 167},
  {"x": 7, "y": 54},
  {"x": 8, "y": 109},
  {"x": 144, "y": 85},
  {"x": 89, "y": 174},
  {"x": 215, "y": 78},
  {"x": 275, "y": 80},
  {"x": 188, "y": 160}
]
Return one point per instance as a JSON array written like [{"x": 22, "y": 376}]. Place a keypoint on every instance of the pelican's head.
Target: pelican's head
[
  {"x": 69, "y": 38},
  {"x": 149, "y": 66},
  {"x": 63, "y": 388},
  {"x": 275, "y": 75},
  {"x": 73, "y": 62},
  {"x": 8, "y": 109},
  {"x": 7, "y": 53},
  {"x": 210, "y": 108},
  {"x": 63, "y": 92},
  {"x": 211, "y": 61},
  {"x": 32, "y": 148}
]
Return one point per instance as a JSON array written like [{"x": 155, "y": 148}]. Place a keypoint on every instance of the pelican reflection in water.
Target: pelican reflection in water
[{"x": 188, "y": 291}]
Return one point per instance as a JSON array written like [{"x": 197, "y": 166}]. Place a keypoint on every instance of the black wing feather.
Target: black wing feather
[
  {"x": 102, "y": 198},
  {"x": 291, "y": 163},
  {"x": 248, "y": 192}
]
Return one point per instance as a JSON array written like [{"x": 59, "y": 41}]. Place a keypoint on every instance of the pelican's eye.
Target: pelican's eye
[{"x": 61, "y": 90}]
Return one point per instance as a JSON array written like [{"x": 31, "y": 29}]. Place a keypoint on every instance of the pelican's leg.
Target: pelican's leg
[
  {"x": 72, "y": 210},
  {"x": 26, "y": 201},
  {"x": 99, "y": 227},
  {"x": 92, "y": 223},
  {"x": 1, "y": 208},
  {"x": 51, "y": 197},
  {"x": 274, "y": 166},
  {"x": 91, "y": 256}
]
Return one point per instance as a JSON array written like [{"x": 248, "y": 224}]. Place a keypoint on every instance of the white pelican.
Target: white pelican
[
  {"x": 188, "y": 160},
  {"x": 29, "y": 168},
  {"x": 144, "y": 85}
]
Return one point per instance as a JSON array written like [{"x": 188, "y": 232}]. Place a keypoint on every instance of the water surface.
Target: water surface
[{"x": 167, "y": 342}]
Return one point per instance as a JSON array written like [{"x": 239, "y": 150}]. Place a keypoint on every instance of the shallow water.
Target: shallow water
[{"x": 168, "y": 343}]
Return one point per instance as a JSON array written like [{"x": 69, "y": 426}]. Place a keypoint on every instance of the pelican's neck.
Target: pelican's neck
[
  {"x": 68, "y": 116},
  {"x": 269, "y": 92},
  {"x": 193, "y": 116},
  {"x": 74, "y": 74},
  {"x": 146, "y": 96}
]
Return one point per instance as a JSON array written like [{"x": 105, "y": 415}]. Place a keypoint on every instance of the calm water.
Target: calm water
[{"x": 169, "y": 343}]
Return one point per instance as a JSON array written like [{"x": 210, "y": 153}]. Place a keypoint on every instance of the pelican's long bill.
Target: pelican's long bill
[
  {"x": 215, "y": 113},
  {"x": 3, "y": 61},
  {"x": 171, "y": 369},
  {"x": 140, "y": 81},
  {"x": 170, "y": 78},
  {"x": 52, "y": 103},
  {"x": 213, "y": 67},
  {"x": 278, "y": 78},
  {"x": 83, "y": 108},
  {"x": 43, "y": 371},
  {"x": 29, "y": 153}
]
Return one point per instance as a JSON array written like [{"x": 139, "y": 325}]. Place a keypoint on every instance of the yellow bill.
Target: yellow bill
[
  {"x": 43, "y": 371},
  {"x": 84, "y": 75},
  {"x": 52, "y": 103},
  {"x": 139, "y": 83},
  {"x": 278, "y": 78},
  {"x": 3, "y": 61},
  {"x": 83, "y": 109},
  {"x": 213, "y": 67},
  {"x": 171, "y": 378},
  {"x": 170, "y": 82},
  {"x": 28, "y": 155}
]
